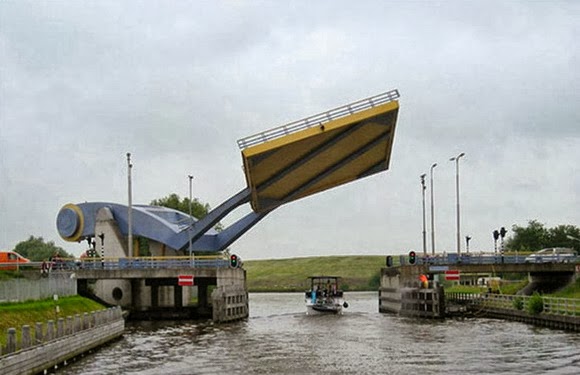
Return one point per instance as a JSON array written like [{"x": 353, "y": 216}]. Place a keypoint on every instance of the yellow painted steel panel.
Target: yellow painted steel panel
[{"x": 319, "y": 158}]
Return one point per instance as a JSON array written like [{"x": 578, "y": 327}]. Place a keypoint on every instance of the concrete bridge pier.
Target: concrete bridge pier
[
  {"x": 204, "y": 306},
  {"x": 401, "y": 292},
  {"x": 156, "y": 294}
]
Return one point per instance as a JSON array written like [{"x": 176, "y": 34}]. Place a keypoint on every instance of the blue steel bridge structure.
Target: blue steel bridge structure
[{"x": 281, "y": 165}]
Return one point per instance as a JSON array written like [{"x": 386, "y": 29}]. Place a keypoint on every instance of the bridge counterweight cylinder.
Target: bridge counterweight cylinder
[{"x": 70, "y": 222}]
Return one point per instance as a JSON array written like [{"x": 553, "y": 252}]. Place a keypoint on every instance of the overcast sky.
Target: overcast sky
[{"x": 178, "y": 83}]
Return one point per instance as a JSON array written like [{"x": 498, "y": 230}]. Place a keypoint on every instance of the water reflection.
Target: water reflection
[{"x": 279, "y": 338}]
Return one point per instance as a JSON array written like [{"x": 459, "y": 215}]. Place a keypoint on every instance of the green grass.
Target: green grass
[
  {"x": 514, "y": 287},
  {"x": 290, "y": 275},
  {"x": 464, "y": 289},
  {"x": 15, "y": 315},
  {"x": 505, "y": 288},
  {"x": 570, "y": 291},
  {"x": 8, "y": 275}
]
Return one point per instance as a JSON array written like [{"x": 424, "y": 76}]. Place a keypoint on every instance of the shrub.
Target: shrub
[
  {"x": 518, "y": 303},
  {"x": 535, "y": 304}
]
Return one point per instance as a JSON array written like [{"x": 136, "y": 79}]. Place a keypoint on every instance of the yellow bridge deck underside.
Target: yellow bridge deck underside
[{"x": 321, "y": 157}]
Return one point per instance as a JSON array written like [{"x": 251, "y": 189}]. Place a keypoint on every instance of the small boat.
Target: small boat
[{"x": 324, "y": 296}]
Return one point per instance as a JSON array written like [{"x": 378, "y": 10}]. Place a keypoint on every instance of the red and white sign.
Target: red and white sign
[
  {"x": 185, "y": 280},
  {"x": 452, "y": 275}
]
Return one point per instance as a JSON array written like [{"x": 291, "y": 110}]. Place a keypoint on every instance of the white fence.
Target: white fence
[
  {"x": 551, "y": 305},
  {"x": 18, "y": 290}
]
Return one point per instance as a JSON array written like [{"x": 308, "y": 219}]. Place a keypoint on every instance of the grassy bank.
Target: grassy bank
[
  {"x": 570, "y": 291},
  {"x": 358, "y": 273},
  {"x": 15, "y": 315}
]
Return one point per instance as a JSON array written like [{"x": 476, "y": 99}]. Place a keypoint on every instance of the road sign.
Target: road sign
[
  {"x": 452, "y": 275},
  {"x": 185, "y": 280}
]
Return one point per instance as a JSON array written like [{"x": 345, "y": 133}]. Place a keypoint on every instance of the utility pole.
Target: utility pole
[
  {"x": 130, "y": 207},
  {"x": 190, "y": 215},
  {"x": 432, "y": 213},
  {"x": 456, "y": 160},
  {"x": 423, "y": 188}
]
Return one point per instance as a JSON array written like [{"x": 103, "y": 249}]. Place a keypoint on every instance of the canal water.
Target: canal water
[{"x": 279, "y": 338}]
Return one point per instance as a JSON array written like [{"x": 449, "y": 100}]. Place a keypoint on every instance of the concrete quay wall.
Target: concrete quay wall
[
  {"x": 60, "y": 344},
  {"x": 568, "y": 323}
]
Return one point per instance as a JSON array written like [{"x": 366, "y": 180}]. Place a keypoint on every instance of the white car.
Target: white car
[{"x": 552, "y": 255}]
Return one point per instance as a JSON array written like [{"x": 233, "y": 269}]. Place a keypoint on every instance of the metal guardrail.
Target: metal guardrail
[
  {"x": 66, "y": 264},
  {"x": 319, "y": 119},
  {"x": 483, "y": 258},
  {"x": 552, "y": 305},
  {"x": 144, "y": 263}
]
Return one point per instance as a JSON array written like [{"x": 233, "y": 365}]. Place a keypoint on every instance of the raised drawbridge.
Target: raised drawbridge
[{"x": 281, "y": 165}]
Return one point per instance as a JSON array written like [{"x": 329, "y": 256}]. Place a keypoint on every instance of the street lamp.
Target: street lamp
[
  {"x": 456, "y": 160},
  {"x": 423, "y": 187},
  {"x": 432, "y": 213},
  {"x": 190, "y": 214},
  {"x": 130, "y": 207}
]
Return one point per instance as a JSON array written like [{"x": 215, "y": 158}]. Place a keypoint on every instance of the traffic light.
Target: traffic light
[
  {"x": 389, "y": 261},
  {"x": 412, "y": 257},
  {"x": 502, "y": 232},
  {"x": 495, "y": 234},
  {"x": 234, "y": 261}
]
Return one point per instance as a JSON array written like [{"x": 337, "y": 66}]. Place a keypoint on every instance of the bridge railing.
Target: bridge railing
[
  {"x": 110, "y": 263},
  {"x": 318, "y": 119},
  {"x": 486, "y": 258},
  {"x": 551, "y": 305}
]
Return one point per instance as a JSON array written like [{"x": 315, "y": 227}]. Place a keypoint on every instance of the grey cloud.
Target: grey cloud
[{"x": 177, "y": 84}]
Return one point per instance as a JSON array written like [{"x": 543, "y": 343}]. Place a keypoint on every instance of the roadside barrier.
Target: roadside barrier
[{"x": 19, "y": 290}]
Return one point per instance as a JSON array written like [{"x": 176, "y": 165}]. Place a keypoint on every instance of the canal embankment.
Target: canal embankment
[
  {"x": 552, "y": 312},
  {"x": 45, "y": 324},
  {"x": 53, "y": 343}
]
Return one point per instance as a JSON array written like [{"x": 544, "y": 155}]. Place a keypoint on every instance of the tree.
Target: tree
[
  {"x": 530, "y": 238},
  {"x": 198, "y": 209},
  {"x": 37, "y": 250},
  {"x": 565, "y": 236},
  {"x": 536, "y": 236}
]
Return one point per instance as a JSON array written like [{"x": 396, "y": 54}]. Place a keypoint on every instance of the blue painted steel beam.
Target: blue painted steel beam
[
  {"x": 161, "y": 224},
  {"x": 212, "y": 218}
]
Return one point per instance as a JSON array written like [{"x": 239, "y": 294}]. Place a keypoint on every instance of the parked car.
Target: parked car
[
  {"x": 552, "y": 255},
  {"x": 9, "y": 260}
]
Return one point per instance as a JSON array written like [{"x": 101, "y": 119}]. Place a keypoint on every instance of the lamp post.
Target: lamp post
[
  {"x": 190, "y": 214},
  {"x": 432, "y": 212},
  {"x": 456, "y": 160},
  {"x": 423, "y": 187},
  {"x": 130, "y": 207}
]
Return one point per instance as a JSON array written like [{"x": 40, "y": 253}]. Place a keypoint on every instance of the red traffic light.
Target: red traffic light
[
  {"x": 412, "y": 257},
  {"x": 234, "y": 261}
]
